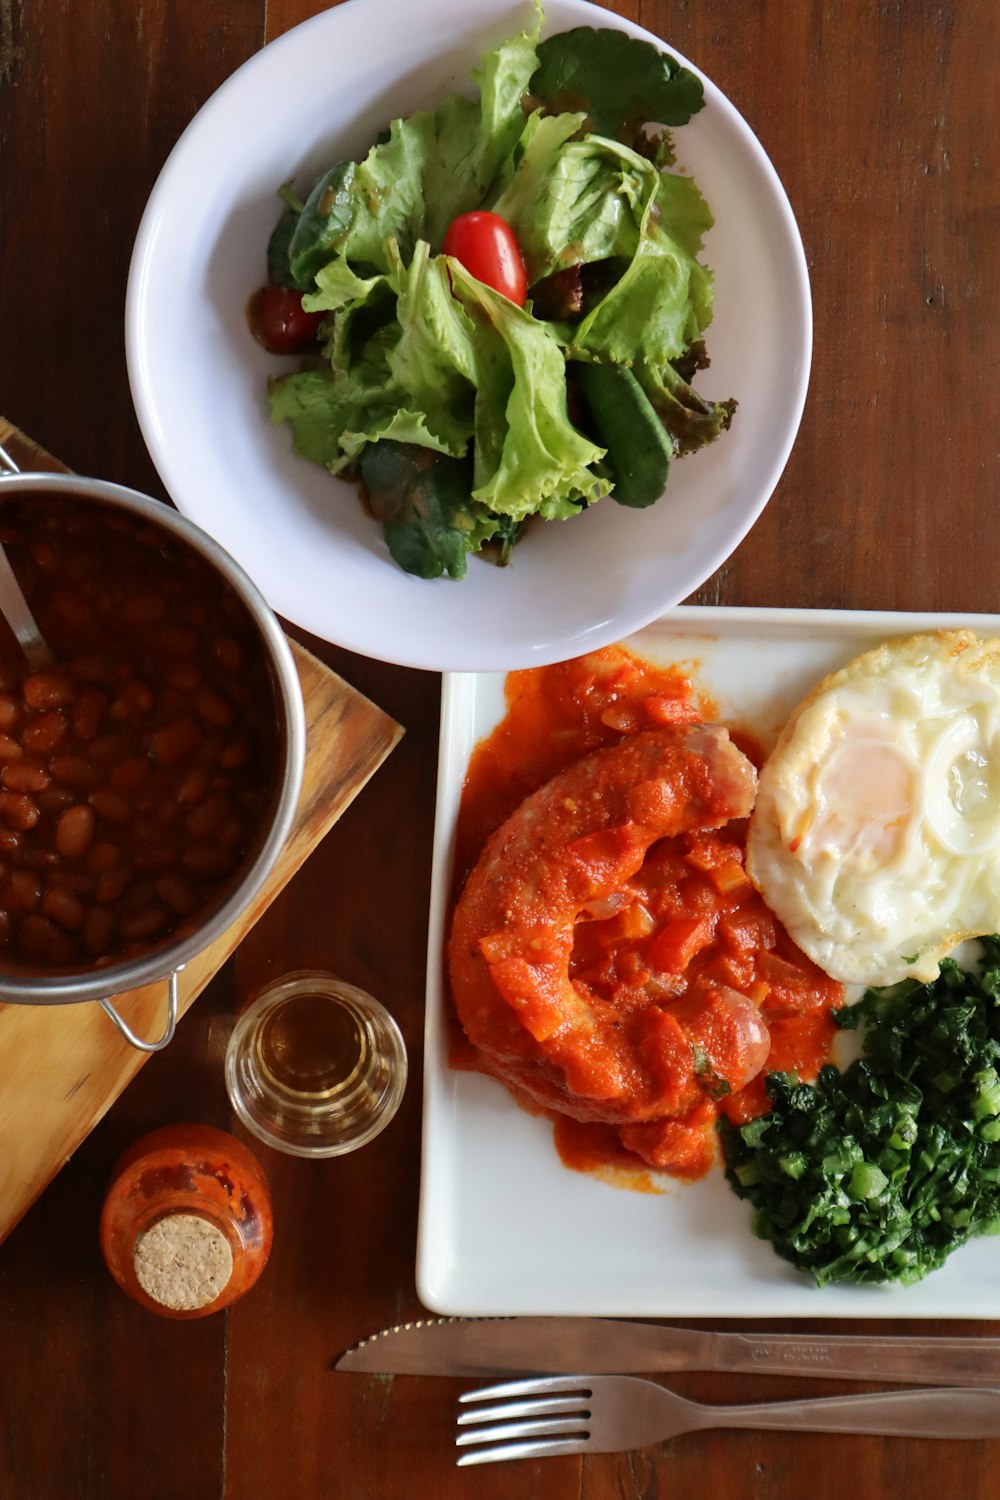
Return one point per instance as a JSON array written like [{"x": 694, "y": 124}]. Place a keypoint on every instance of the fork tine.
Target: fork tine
[
  {"x": 554, "y": 1449},
  {"x": 532, "y": 1406},
  {"x": 532, "y": 1427},
  {"x": 537, "y": 1386}
]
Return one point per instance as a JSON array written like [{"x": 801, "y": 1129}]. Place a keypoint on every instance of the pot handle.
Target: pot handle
[
  {"x": 130, "y": 1035},
  {"x": 7, "y": 464}
]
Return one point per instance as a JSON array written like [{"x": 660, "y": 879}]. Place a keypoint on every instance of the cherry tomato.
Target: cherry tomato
[
  {"x": 280, "y": 322},
  {"x": 488, "y": 249}
]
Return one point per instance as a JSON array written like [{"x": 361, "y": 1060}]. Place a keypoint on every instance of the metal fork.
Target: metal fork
[{"x": 615, "y": 1413}]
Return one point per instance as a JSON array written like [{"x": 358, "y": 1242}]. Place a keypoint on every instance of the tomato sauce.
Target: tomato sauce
[{"x": 690, "y": 915}]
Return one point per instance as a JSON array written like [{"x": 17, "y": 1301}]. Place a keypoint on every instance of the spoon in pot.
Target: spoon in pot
[{"x": 13, "y": 604}]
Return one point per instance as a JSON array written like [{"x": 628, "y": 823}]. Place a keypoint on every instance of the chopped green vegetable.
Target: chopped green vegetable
[{"x": 879, "y": 1172}]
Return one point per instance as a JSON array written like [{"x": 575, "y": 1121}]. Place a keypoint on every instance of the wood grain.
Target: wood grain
[
  {"x": 63, "y": 1066},
  {"x": 883, "y": 122}
]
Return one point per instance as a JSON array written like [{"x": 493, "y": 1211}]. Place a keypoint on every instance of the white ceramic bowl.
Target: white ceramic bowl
[{"x": 316, "y": 95}]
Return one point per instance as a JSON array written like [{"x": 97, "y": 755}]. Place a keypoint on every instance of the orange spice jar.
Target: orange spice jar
[{"x": 186, "y": 1226}]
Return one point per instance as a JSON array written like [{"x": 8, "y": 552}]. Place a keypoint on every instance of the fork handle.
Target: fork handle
[{"x": 951, "y": 1412}]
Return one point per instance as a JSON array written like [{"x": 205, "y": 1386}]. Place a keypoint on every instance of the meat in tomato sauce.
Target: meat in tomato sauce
[{"x": 634, "y": 1016}]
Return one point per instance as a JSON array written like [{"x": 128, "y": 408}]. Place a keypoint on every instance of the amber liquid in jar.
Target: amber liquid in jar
[{"x": 315, "y": 1066}]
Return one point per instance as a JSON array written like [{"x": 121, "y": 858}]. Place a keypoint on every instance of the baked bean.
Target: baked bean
[
  {"x": 22, "y": 891},
  {"x": 146, "y": 923},
  {"x": 75, "y": 831},
  {"x": 24, "y": 775},
  {"x": 48, "y": 689},
  {"x": 136, "y": 770},
  {"x": 41, "y": 735},
  {"x": 193, "y": 787},
  {"x": 112, "y": 886},
  {"x": 103, "y": 856},
  {"x": 99, "y": 931},
  {"x": 129, "y": 775},
  {"x": 207, "y": 859},
  {"x": 229, "y": 653},
  {"x": 111, "y": 805},
  {"x": 76, "y": 771},
  {"x": 88, "y": 715},
  {"x": 176, "y": 741},
  {"x": 184, "y": 676},
  {"x": 19, "y": 811},
  {"x": 63, "y": 908},
  {"x": 179, "y": 894},
  {"x": 213, "y": 708}
]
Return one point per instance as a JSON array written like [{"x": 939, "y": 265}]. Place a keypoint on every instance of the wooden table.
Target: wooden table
[{"x": 884, "y": 125}]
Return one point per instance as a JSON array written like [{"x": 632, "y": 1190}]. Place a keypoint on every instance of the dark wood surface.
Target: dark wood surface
[{"x": 883, "y": 121}]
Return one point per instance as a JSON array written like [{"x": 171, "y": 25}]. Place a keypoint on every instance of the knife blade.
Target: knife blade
[{"x": 529, "y": 1345}]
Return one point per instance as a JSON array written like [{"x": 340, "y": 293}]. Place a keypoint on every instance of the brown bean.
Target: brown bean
[
  {"x": 108, "y": 749},
  {"x": 129, "y": 774},
  {"x": 19, "y": 811},
  {"x": 10, "y": 711},
  {"x": 47, "y": 689},
  {"x": 75, "y": 831},
  {"x": 179, "y": 894},
  {"x": 193, "y": 787},
  {"x": 233, "y": 755},
  {"x": 99, "y": 931},
  {"x": 111, "y": 806},
  {"x": 160, "y": 857},
  {"x": 139, "y": 926},
  {"x": 10, "y": 748},
  {"x": 88, "y": 715},
  {"x": 24, "y": 776},
  {"x": 34, "y": 939},
  {"x": 41, "y": 735},
  {"x": 76, "y": 771},
  {"x": 63, "y": 908},
  {"x": 10, "y": 841},
  {"x": 112, "y": 886},
  {"x": 179, "y": 738},
  {"x": 179, "y": 640},
  {"x": 207, "y": 859},
  {"x": 135, "y": 702},
  {"x": 76, "y": 881},
  {"x": 22, "y": 892},
  {"x": 39, "y": 859},
  {"x": 103, "y": 856},
  {"x": 141, "y": 611},
  {"x": 63, "y": 951},
  {"x": 213, "y": 708},
  {"x": 208, "y": 817},
  {"x": 229, "y": 653},
  {"x": 184, "y": 676},
  {"x": 55, "y": 799}
]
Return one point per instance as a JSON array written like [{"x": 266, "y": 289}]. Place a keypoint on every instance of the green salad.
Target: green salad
[
  {"x": 466, "y": 400},
  {"x": 879, "y": 1172}
]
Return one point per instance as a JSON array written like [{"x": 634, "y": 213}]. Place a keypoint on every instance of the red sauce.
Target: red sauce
[{"x": 691, "y": 914}]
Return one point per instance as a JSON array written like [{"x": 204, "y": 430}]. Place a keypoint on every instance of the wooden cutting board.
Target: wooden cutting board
[{"x": 63, "y": 1066}]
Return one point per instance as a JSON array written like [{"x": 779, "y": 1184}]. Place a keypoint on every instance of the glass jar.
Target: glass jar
[{"x": 186, "y": 1225}]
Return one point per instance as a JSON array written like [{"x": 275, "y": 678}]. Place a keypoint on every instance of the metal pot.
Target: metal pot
[{"x": 167, "y": 960}]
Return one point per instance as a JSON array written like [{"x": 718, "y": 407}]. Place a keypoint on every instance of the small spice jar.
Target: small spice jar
[{"x": 186, "y": 1226}]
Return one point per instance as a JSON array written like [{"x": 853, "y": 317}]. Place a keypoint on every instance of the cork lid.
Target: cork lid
[{"x": 183, "y": 1262}]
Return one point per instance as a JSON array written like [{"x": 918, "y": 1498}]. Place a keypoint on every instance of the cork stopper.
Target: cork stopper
[{"x": 183, "y": 1262}]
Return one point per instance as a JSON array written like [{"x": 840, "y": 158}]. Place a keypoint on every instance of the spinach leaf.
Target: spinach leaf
[
  {"x": 878, "y": 1173},
  {"x": 620, "y": 81},
  {"x": 422, "y": 500}
]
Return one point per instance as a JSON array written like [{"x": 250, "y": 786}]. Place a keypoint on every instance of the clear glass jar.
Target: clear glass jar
[{"x": 315, "y": 1066}]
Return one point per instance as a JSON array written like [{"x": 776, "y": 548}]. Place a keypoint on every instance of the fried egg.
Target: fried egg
[{"x": 875, "y": 837}]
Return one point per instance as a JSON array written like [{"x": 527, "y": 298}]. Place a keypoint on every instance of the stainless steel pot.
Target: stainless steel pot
[{"x": 167, "y": 961}]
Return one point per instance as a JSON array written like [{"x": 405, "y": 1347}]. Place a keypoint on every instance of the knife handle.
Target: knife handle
[{"x": 920, "y": 1361}]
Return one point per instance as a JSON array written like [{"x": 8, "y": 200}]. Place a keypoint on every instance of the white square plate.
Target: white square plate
[{"x": 505, "y": 1228}]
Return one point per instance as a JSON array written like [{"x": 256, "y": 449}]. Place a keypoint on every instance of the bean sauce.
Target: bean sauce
[{"x": 137, "y": 771}]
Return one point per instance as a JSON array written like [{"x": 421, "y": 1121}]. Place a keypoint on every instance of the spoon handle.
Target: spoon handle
[{"x": 19, "y": 617}]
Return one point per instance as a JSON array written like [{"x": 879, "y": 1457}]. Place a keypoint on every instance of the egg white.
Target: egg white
[{"x": 876, "y": 833}]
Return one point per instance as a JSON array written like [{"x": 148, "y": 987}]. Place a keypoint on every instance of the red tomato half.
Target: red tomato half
[
  {"x": 488, "y": 249},
  {"x": 280, "y": 322}
]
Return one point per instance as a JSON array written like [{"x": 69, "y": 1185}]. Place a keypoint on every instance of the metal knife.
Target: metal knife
[{"x": 493, "y": 1346}]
